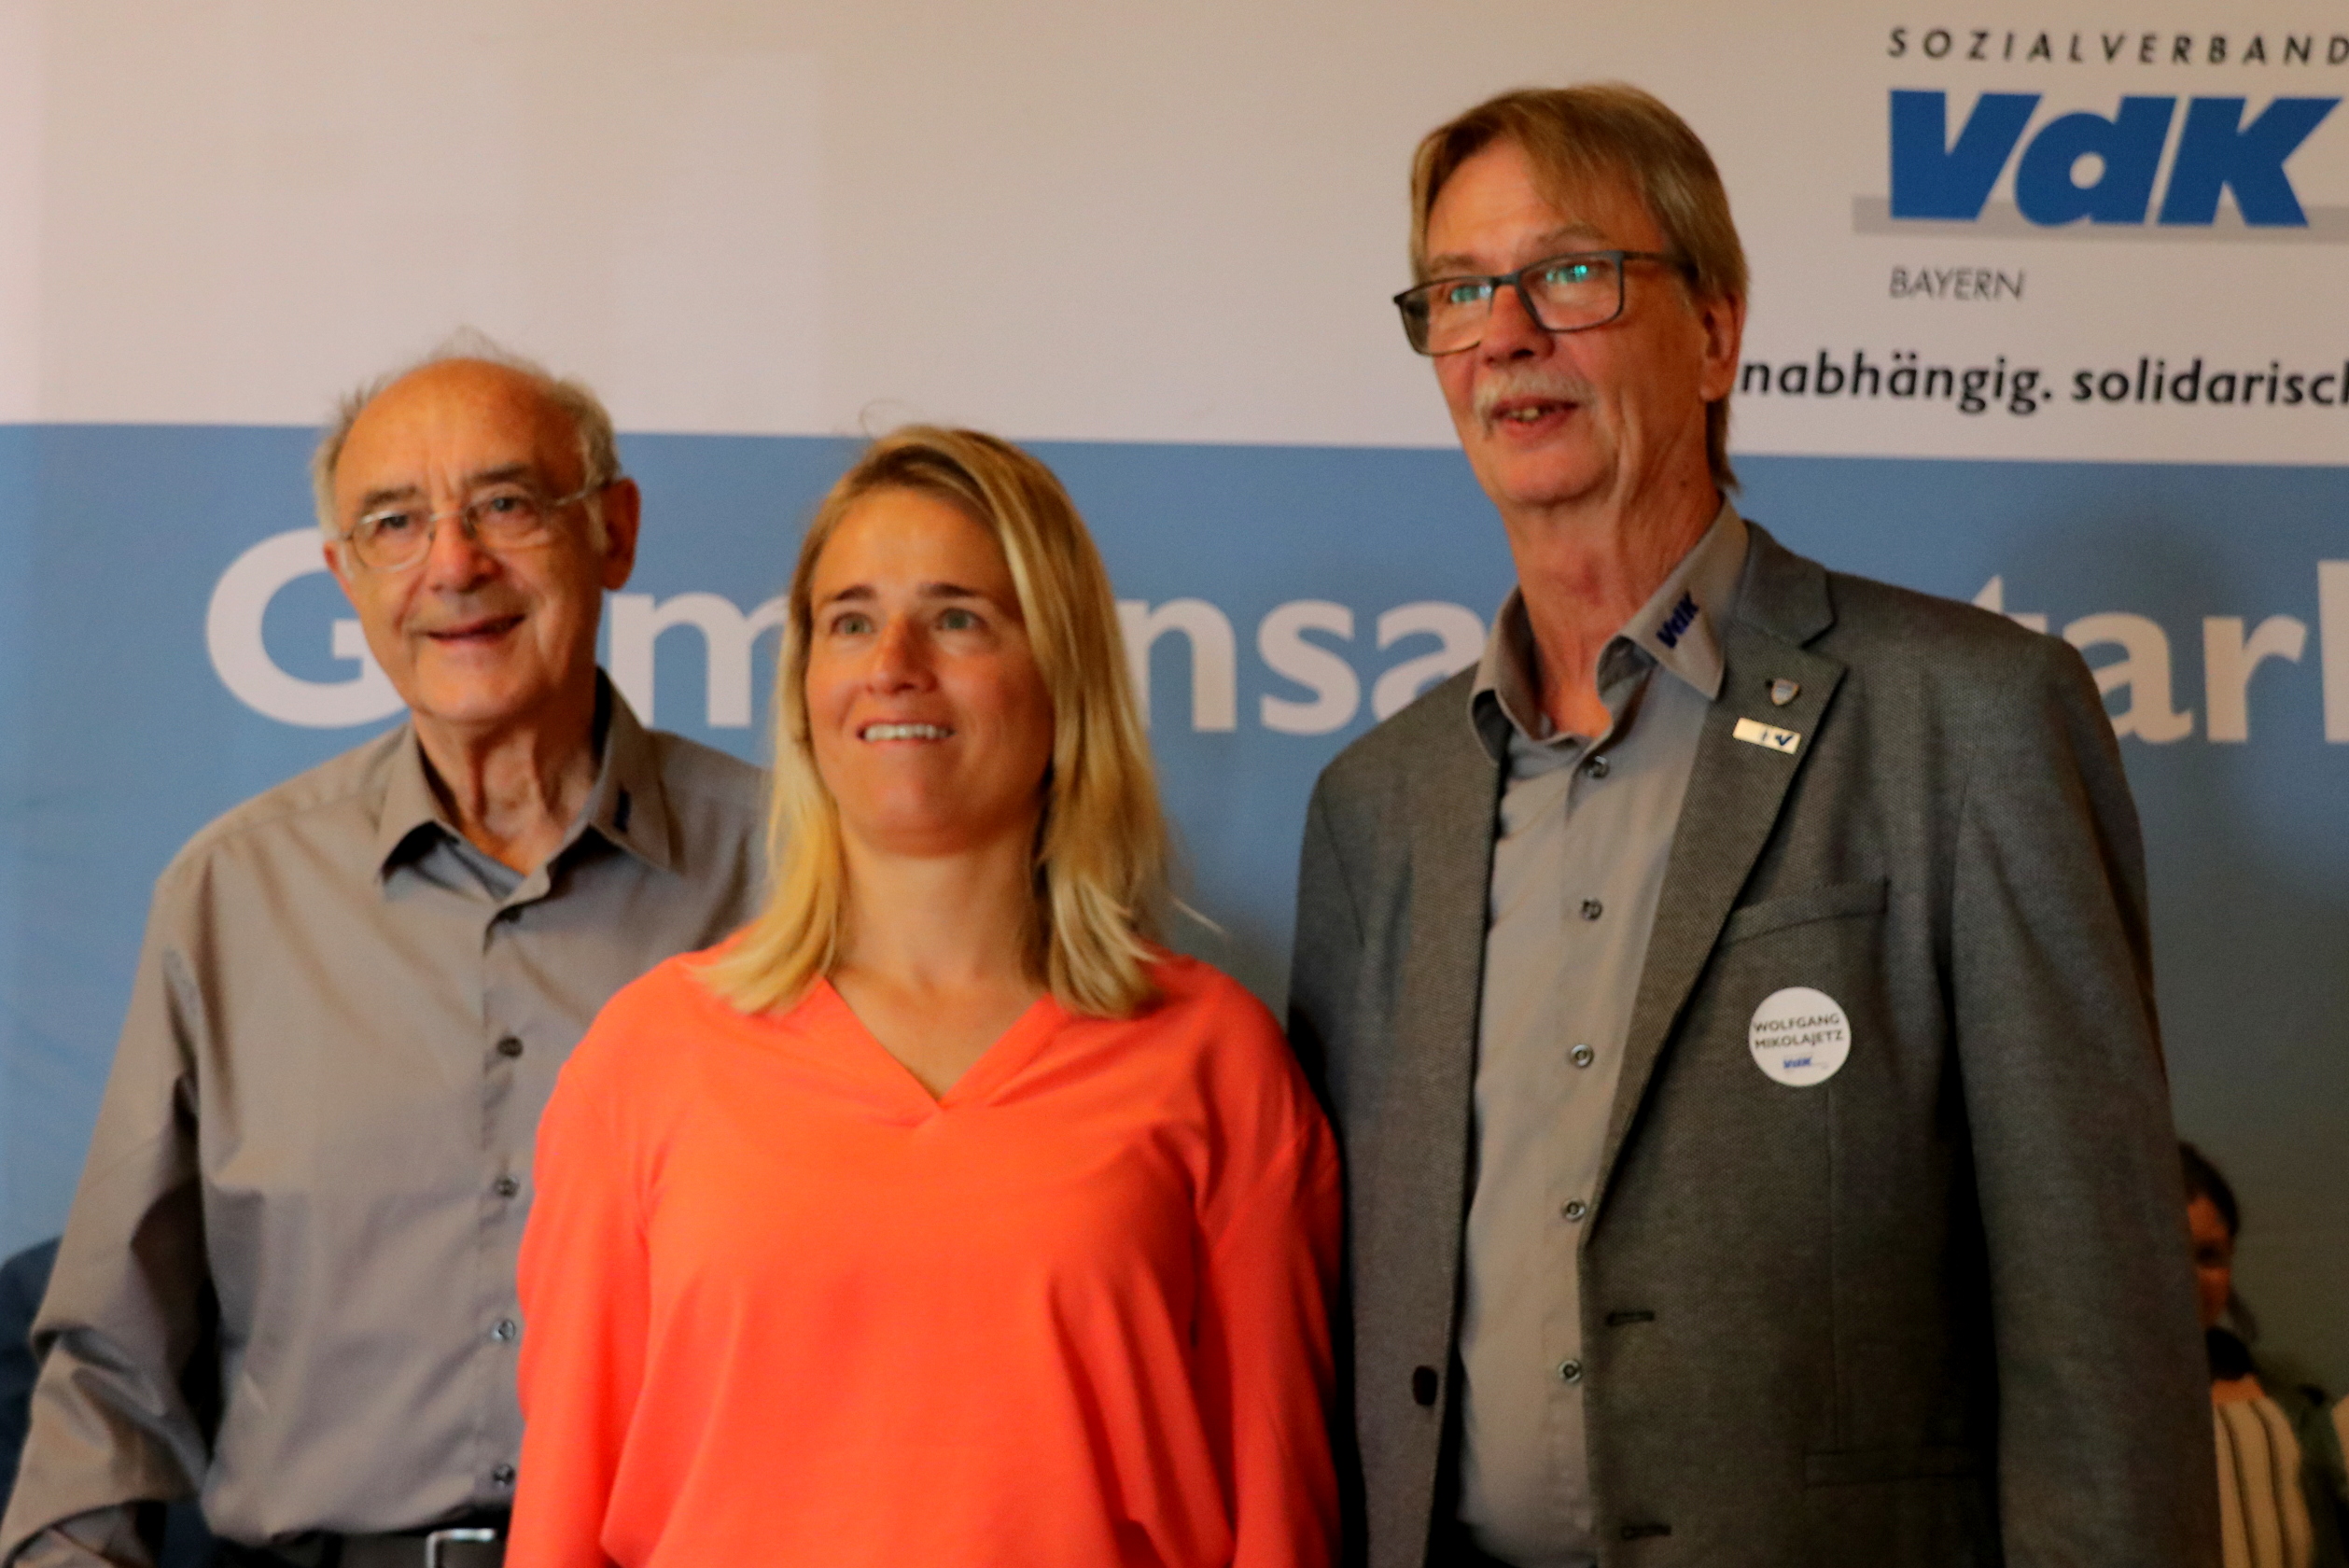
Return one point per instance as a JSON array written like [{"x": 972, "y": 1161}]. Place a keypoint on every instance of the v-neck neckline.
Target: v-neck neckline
[{"x": 997, "y": 1065}]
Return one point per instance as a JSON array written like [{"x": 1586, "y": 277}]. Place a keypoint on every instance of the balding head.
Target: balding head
[
  {"x": 483, "y": 607},
  {"x": 588, "y": 427}
]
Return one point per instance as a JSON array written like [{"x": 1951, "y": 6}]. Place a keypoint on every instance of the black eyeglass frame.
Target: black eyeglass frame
[{"x": 1415, "y": 326}]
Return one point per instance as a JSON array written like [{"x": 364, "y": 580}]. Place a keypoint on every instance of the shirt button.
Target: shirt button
[
  {"x": 505, "y": 1186},
  {"x": 503, "y": 1475},
  {"x": 1592, "y": 909},
  {"x": 1582, "y": 1056},
  {"x": 1597, "y": 767},
  {"x": 1570, "y": 1371},
  {"x": 504, "y": 1330},
  {"x": 510, "y": 1047},
  {"x": 1575, "y": 1208}
]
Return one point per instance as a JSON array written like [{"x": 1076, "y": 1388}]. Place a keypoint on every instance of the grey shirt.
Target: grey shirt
[
  {"x": 344, "y": 1025},
  {"x": 1585, "y": 827}
]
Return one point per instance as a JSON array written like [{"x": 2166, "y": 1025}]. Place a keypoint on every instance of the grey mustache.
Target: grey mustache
[{"x": 1507, "y": 385}]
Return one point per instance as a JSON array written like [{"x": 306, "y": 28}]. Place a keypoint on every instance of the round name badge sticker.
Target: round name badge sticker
[{"x": 1799, "y": 1037}]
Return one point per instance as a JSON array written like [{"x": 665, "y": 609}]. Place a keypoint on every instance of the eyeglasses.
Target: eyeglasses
[
  {"x": 512, "y": 515},
  {"x": 1568, "y": 293}
]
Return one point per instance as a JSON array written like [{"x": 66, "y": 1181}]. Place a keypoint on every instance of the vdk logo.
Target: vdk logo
[{"x": 1936, "y": 175}]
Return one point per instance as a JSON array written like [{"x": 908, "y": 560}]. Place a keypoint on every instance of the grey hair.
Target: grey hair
[{"x": 599, "y": 451}]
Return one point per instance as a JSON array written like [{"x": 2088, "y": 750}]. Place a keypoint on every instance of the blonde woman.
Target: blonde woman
[{"x": 942, "y": 1217}]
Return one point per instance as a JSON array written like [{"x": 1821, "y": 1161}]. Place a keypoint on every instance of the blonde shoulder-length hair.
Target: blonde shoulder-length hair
[{"x": 1101, "y": 855}]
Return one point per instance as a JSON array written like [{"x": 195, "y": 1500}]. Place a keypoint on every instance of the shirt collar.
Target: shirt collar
[
  {"x": 1676, "y": 629},
  {"x": 1679, "y": 626},
  {"x": 627, "y": 805}
]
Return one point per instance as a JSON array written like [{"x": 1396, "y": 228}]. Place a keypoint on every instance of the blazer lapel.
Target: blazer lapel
[
  {"x": 1453, "y": 803},
  {"x": 1735, "y": 792}
]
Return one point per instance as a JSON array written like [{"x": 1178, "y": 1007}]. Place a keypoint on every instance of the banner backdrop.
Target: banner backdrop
[{"x": 2047, "y": 316}]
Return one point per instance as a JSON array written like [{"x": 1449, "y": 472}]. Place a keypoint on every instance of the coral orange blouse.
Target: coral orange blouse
[{"x": 781, "y": 1306}]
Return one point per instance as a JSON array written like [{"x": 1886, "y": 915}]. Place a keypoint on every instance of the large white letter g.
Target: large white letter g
[{"x": 232, "y": 633}]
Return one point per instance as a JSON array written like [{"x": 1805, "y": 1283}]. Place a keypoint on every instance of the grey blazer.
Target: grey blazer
[{"x": 1936, "y": 1310}]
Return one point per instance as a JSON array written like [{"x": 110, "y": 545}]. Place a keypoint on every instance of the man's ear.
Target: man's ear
[
  {"x": 624, "y": 510},
  {"x": 1722, "y": 317},
  {"x": 333, "y": 549}
]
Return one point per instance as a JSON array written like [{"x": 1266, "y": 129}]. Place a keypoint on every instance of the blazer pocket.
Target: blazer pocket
[{"x": 1837, "y": 901}]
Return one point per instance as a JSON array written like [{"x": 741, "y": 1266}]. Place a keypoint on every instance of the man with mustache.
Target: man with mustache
[
  {"x": 288, "y": 1282},
  {"x": 1733, "y": 994}
]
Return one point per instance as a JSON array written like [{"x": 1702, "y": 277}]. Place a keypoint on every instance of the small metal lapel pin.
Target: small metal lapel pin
[{"x": 1783, "y": 691}]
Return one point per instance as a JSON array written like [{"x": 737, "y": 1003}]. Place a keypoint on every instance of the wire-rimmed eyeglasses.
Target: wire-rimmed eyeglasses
[
  {"x": 1569, "y": 293},
  {"x": 513, "y": 514}
]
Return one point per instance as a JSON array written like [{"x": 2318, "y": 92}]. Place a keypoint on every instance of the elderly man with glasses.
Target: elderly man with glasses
[
  {"x": 287, "y": 1283},
  {"x": 1733, "y": 995}
]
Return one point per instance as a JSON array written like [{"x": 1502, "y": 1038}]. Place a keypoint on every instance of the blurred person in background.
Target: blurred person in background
[
  {"x": 2282, "y": 1500},
  {"x": 23, "y": 1279},
  {"x": 943, "y": 1217}
]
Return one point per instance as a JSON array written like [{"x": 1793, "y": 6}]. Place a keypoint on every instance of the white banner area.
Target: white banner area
[
  {"x": 2047, "y": 316},
  {"x": 1125, "y": 223}
]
